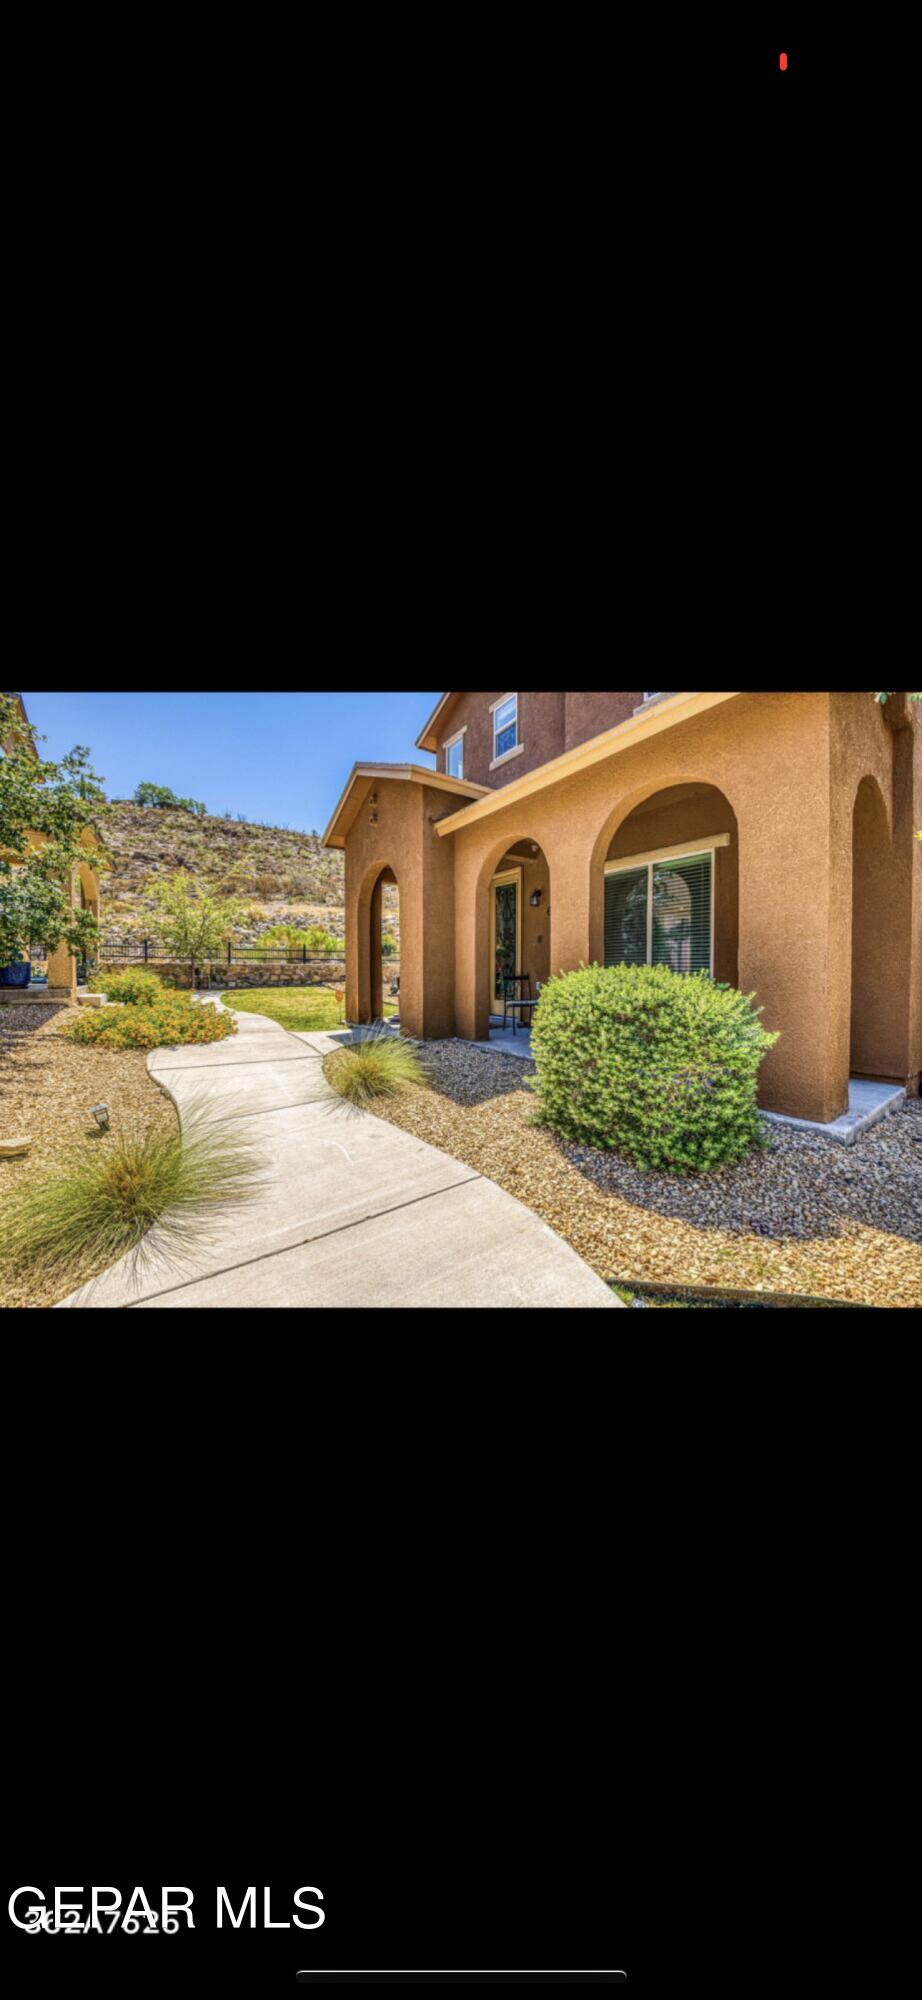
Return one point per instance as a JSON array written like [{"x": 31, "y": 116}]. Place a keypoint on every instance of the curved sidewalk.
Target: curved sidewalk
[{"x": 350, "y": 1211}]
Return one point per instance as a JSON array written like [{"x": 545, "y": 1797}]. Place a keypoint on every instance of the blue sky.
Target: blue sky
[{"x": 278, "y": 757}]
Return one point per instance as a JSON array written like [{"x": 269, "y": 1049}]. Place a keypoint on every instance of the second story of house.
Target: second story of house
[{"x": 491, "y": 739}]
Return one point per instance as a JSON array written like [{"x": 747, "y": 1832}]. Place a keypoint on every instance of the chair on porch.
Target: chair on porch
[{"x": 517, "y": 997}]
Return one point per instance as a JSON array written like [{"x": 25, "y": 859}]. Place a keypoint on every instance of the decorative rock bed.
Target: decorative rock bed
[
  {"x": 49, "y": 1086},
  {"x": 805, "y": 1216}
]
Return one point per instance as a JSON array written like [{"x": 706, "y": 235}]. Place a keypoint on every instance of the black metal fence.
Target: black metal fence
[{"x": 150, "y": 951}]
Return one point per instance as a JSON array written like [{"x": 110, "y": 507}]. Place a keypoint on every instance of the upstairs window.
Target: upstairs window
[
  {"x": 505, "y": 727},
  {"x": 454, "y": 757}
]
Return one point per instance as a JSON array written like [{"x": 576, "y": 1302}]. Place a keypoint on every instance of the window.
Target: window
[
  {"x": 660, "y": 912},
  {"x": 454, "y": 757},
  {"x": 506, "y": 727}
]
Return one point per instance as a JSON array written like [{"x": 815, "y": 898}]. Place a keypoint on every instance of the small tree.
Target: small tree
[
  {"x": 161, "y": 798},
  {"x": 196, "y": 923},
  {"x": 57, "y": 802}
]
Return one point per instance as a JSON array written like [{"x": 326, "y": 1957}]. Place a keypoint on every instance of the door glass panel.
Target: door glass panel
[
  {"x": 626, "y": 917},
  {"x": 506, "y": 894}
]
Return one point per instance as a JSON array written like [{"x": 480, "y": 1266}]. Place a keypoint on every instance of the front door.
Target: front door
[{"x": 505, "y": 932}]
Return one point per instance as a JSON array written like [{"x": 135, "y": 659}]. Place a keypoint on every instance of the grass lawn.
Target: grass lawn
[{"x": 303, "y": 1009}]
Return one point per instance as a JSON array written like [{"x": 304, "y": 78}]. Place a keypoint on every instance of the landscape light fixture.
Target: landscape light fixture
[{"x": 101, "y": 1114}]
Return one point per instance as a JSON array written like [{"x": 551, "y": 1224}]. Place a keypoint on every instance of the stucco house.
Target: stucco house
[
  {"x": 84, "y": 891},
  {"x": 765, "y": 838}
]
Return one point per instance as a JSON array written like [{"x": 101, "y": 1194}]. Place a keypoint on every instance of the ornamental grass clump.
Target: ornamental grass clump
[
  {"x": 101, "y": 1197},
  {"x": 642, "y": 1061},
  {"x": 170, "y": 1022},
  {"x": 382, "y": 1065}
]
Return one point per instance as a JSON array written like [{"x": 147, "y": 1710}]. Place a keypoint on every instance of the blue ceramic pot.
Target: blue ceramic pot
[{"x": 16, "y": 975}]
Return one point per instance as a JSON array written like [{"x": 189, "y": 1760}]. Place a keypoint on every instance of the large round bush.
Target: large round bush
[{"x": 642, "y": 1061}]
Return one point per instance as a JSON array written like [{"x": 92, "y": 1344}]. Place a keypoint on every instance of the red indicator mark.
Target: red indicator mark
[{"x": 782, "y": 60}]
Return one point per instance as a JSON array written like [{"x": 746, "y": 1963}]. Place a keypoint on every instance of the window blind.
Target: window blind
[
  {"x": 626, "y": 917},
  {"x": 682, "y": 914},
  {"x": 677, "y": 930}
]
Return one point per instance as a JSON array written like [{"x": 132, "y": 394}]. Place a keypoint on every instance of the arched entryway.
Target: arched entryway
[
  {"x": 379, "y": 947},
  {"x": 878, "y": 1026},
  {"x": 513, "y": 934},
  {"x": 665, "y": 885}
]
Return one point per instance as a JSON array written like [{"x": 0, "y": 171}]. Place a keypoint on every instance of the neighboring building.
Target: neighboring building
[
  {"x": 765, "y": 838},
  {"x": 84, "y": 890}
]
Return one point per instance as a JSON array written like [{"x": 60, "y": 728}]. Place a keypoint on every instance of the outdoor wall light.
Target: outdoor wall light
[
  {"x": 101, "y": 1114},
  {"x": 536, "y": 899}
]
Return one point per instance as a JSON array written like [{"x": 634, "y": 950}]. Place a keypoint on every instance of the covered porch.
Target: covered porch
[{"x": 726, "y": 851}]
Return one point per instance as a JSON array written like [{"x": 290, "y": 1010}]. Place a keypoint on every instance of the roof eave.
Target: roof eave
[
  {"x": 428, "y": 738},
  {"x": 369, "y": 774}
]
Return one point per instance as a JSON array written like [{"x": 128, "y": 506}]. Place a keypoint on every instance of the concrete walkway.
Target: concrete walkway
[{"x": 350, "y": 1210}]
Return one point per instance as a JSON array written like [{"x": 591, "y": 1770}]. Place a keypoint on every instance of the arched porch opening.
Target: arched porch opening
[
  {"x": 379, "y": 946},
  {"x": 878, "y": 992},
  {"x": 512, "y": 933},
  {"x": 665, "y": 887}
]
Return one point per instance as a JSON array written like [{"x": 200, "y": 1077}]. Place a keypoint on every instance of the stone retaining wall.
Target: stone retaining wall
[{"x": 246, "y": 973}]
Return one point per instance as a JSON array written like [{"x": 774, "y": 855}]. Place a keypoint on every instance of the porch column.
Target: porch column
[
  {"x": 472, "y": 941},
  {"x": 795, "y": 950},
  {"x": 375, "y": 954},
  {"x": 906, "y": 954},
  {"x": 62, "y": 965},
  {"x": 571, "y": 903}
]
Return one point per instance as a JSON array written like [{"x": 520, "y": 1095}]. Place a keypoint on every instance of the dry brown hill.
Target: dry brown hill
[{"x": 287, "y": 877}]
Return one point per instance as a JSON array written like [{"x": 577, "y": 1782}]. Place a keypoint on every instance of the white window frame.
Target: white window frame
[
  {"x": 518, "y": 746},
  {"x": 449, "y": 744},
  {"x": 628, "y": 865}
]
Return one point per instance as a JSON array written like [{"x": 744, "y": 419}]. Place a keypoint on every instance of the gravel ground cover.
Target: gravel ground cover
[
  {"x": 47, "y": 1086},
  {"x": 807, "y": 1216}
]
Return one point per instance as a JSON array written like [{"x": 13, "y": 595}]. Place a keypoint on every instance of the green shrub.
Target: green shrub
[
  {"x": 174, "y": 1021},
  {"x": 380, "y": 1066},
  {"x": 132, "y": 988},
  {"x": 643, "y": 1061},
  {"x": 101, "y": 1197}
]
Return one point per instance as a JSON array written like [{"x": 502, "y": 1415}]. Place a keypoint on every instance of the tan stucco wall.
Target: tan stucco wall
[
  {"x": 789, "y": 766},
  {"x": 404, "y": 841}
]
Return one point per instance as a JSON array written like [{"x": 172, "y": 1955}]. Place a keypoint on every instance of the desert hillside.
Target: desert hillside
[{"x": 285, "y": 877}]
